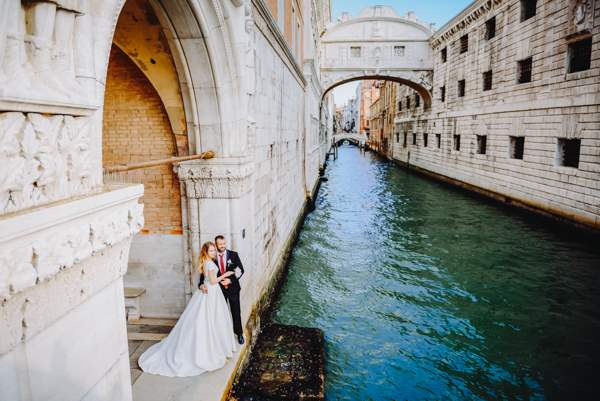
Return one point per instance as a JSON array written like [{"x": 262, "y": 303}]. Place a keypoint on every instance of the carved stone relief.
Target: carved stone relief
[
  {"x": 215, "y": 181},
  {"x": 581, "y": 16},
  {"x": 46, "y": 54},
  {"x": 49, "y": 159}
]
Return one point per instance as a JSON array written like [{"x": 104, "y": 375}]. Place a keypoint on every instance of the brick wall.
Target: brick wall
[
  {"x": 554, "y": 106},
  {"x": 136, "y": 129}
]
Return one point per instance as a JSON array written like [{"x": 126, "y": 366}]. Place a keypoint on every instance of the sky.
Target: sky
[{"x": 436, "y": 11}]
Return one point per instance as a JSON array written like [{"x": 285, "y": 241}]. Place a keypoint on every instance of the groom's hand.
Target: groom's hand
[{"x": 226, "y": 282}]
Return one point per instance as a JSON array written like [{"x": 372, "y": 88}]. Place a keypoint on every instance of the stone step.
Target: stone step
[{"x": 146, "y": 336}]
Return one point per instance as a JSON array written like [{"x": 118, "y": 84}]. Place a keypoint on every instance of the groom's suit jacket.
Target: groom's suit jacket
[{"x": 232, "y": 261}]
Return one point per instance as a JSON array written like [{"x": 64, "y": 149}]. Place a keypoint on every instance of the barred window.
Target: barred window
[
  {"x": 567, "y": 152},
  {"x": 404, "y": 140},
  {"x": 490, "y": 28},
  {"x": 487, "y": 80},
  {"x": 417, "y": 100},
  {"x": 443, "y": 93},
  {"x": 408, "y": 102},
  {"x": 528, "y": 9},
  {"x": 516, "y": 147},
  {"x": 397, "y": 137},
  {"x": 399, "y": 51},
  {"x": 414, "y": 142},
  {"x": 425, "y": 138},
  {"x": 438, "y": 140},
  {"x": 400, "y": 105},
  {"x": 444, "y": 54},
  {"x": 457, "y": 143},
  {"x": 461, "y": 88},
  {"x": 481, "y": 144},
  {"x": 524, "y": 70},
  {"x": 355, "y": 51},
  {"x": 464, "y": 43},
  {"x": 580, "y": 55}
]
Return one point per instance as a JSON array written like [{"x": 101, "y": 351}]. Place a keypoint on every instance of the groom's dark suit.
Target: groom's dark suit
[{"x": 232, "y": 292}]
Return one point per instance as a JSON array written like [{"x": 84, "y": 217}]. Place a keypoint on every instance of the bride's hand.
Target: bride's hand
[
  {"x": 227, "y": 274},
  {"x": 226, "y": 282}
]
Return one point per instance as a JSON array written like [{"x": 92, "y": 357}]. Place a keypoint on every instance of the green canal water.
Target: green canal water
[{"x": 426, "y": 292}]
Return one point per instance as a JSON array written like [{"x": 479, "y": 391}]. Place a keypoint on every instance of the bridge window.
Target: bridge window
[
  {"x": 481, "y": 144},
  {"x": 464, "y": 43},
  {"x": 490, "y": 28},
  {"x": 567, "y": 152},
  {"x": 417, "y": 100},
  {"x": 528, "y": 9},
  {"x": 444, "y": 54},
  {"x": 414, "y": 142},
  {"x": 408, "y": 102},
  {"x": 399, "y": 51},
  {"x": 516, "y": 147},
  {"x": 457, "y": 143},
  {"x": 524, "y": 70},
  {"x": 404, "y": 140},
  {"x": 438, "y": 140},
  {"x": 355, "y": 51},
  {"x": 425, "y": 138},
  {"x": 580, "y": 54},
  {"x": 443, "y": 93},
  {"x": 461, "y": 88},
  {"x": 487, "y": 80}
]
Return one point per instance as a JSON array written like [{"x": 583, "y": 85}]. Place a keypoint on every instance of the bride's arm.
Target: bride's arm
[{"x": 212, "y": 277}]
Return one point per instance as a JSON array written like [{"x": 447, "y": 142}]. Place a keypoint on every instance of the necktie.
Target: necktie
[{"x": 221, "y": 264}]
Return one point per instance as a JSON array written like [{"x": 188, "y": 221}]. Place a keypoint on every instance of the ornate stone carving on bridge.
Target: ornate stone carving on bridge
[
  {"x": 216, "y": 179},
  {"x": 581, "y": 16},
  {"x": 48, "y": 157},
  {"x": 29, "y": 256},
  {"x": 46, "y": 56}
]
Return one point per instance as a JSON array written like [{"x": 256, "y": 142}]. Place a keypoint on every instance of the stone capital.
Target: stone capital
[{"x": 221, "y": 178}]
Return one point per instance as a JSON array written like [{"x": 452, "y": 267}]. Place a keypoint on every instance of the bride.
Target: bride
[{"x": 203, "y": 337}]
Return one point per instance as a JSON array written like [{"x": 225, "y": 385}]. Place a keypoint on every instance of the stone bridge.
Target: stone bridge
[
  {"x": 378, "y": 44},
  {"x": 353, "y": 137}
]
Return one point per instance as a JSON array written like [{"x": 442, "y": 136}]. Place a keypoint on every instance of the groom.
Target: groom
[{"x": 228, "y": 260}]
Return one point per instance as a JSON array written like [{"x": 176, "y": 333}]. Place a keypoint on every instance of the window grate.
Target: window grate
[
  {"x": 568, "y": 152},
  {"x": 425, "y": 139},
  {"x": 408, "y": 102},
  {"x": 487, "y": 80},
  {"x": 464, "y": 44},
  {"x": 524, "y": 70},
  {"x": 517, "y": 147},
  {"x": 400, "y": 105},
  {"x": 481, "y": 144},
  {"x": 461, "y": 88},
  {"x": 444, "y": 54},
  {"x": 443, "y": 93},
  {"x": 457, "y": 143},
  {"x": 438, "y": 140},
  {"x": 417, "y": 100},
  {"x": 414, "y": 141},
  {"x": 528, "y": 9},
  {"x": 399, "y": 51},
  {"x": 490, "y": 28},
  {"x": 404, "y": 140},
  {"x": 580, "y": 55},
  {"x": 355, "y": 51}
]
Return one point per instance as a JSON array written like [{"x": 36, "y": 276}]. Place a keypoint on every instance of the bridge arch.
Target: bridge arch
[{"x": 378, "y": 44}]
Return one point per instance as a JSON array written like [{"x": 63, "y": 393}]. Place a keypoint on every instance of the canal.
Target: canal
[{"x": 426, "y": 292}]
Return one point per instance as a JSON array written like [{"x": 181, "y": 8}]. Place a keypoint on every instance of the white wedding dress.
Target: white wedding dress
[{"x": 202, "y": 339}]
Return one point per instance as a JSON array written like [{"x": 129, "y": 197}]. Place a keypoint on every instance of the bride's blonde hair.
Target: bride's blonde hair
[{"x": 204, "y": 255}]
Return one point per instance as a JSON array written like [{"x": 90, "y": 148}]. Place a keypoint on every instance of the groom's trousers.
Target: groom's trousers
[{"x": 234, "y": 305}]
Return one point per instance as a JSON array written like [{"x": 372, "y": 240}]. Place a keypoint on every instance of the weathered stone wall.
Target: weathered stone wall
[{"x": 555, "y": 104}]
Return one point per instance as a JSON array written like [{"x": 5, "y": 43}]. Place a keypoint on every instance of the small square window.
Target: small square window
[
  {"x": 524, "y": 70},
  {"x": 461, "y": 88},
  {"x": 580, "y": 55},
  {"x": 438, "y": 140},
  {"x": 490, "y": 28},
  {"x": 487, "y": 80},
  {"x": 408, "y": 102},
  {"x": 516, "y": 147},
  {"x": 481, "y": 144},
  {"x": 528, "y": 9},
  {"x": 399, "y": 51},
  {"x": 444, "y": 54},
  {"x": 464, "y": 44},
  {"x": 417, "y": 100},
  {"x": 425, "y": 139},
  {"x": 404, "y": 140},
  {"x": 443, "y": 93},
  {"x": 567, "y": 152},
  {"x": 414, "y": 142},
  {"x": 355, "y": 51},
  {"x": 457, "y": 142}
]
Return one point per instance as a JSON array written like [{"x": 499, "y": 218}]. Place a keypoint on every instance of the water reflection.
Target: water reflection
[{"x": 426, "y": 292}]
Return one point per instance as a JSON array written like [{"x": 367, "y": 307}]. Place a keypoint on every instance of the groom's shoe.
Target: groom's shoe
[{"x": 240, "y": 339}]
